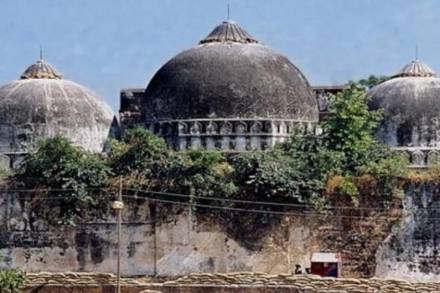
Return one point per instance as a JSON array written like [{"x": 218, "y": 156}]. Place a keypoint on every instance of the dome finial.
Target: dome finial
[
  {"x": 417, "y": 52},
  {"x": 416, "y": 68},
  {"x": 41, "y": 70},
  {"x": 229, "y": 31},
  {"x": 228, "y": 15},
  {"x": 41, "y": 53}
]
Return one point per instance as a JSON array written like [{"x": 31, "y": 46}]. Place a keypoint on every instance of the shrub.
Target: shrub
[
  {"x": 56, "y": 166},
  {"x": 11, "y": 280}
]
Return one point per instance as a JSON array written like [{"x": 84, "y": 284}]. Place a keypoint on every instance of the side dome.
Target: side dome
[
  {"x": 411, "y": 103},
  {"x": 41, "y": 104},
  {"x": 229, "y": 75}
]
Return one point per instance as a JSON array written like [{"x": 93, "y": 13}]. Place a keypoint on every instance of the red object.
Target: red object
[{"x": 326, "y": 264}]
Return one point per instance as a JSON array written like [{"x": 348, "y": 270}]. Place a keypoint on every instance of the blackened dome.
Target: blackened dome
[
  {"x": 229, "y": 75},
  {"x": 42, "y": 104},
  {"x": 411, "y": 104}
]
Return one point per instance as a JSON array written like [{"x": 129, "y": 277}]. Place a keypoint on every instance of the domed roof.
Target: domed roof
[
  {"x": 413, "y": 91},
  {"x": 41, "y": 104},
  {"x": 229, "y": 75},
  {"x": 410, "y": 99}
]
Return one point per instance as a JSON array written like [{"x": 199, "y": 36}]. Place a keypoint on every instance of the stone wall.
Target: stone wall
[
  {"x": 243, "y": 282},
  {"x": 163, "y": 242},
  {"x": 412, "y": 249}
]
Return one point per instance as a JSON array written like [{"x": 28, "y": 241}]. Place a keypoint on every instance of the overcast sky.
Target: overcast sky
[{"x": 107, "y": 45}]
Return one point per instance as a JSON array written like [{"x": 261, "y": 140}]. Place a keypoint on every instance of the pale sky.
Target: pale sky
[{"x": 107, "y": 45}]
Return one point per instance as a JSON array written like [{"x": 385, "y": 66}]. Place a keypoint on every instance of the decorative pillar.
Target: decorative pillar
[
  {"x": 271, "y": 130},
  {"x": 211, "y": 132},
  {"x": 256, "y": 131},
  {"x": 414, "y": 136},
  {"x": 196, "y": 141},
  {"x": 182, "y": 131},
  {"x": 240, "y": 139},
  {"x": 424, "y": 132},
  {"x": 226, "y": 131},
  {"x": 418, "y": 158}
]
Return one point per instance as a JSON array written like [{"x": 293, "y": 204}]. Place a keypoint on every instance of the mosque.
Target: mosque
[{"x": 229, "y": 92}]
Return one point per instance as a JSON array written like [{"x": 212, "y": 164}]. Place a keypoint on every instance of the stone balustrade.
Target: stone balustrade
[
  {"x": 228, "y": 134},
  {"x": 421, "y": 157}
]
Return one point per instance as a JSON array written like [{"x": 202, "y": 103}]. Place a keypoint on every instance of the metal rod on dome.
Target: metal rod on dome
[
  {"x": 417, "y": 52},
  {"x": 41, "y": 52},
  {"x": 228, "y": 12}
]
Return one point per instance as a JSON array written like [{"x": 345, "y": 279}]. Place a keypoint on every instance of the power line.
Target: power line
[
  {"x": 252, "y": 202},
  {"x": 247, "y": 210},
  {"x": 7, "y": 190},
  {"x": 263, "y": 203},
  {"x": 184, "y": 196}
]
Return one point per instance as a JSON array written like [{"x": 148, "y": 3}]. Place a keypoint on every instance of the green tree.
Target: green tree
[
  {"x": 139, "y": 150},
  {"x": 346, "y": 147},
  {"x": 350, "y": 128},
  {"x": 371, "y": 81},
  {"x": 57, "y": 165},
  {"x": 200, "y": 172},
  {"x": 268, "y": 175},
  {"x": 147, "y": 162}
]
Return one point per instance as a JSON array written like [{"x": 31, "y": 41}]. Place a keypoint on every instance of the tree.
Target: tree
[
  {"x": 347, "y": 147},
  {"x": 371, "y": 81},
  {"x": 71, "y": 174},
  {"x": 200, "y": 172},
  {"x": 350, "y": 129},
  {"x": 268, "y": 175},
  {"x": 147, "y": 162},
  {"x": 139, "y": 150}
]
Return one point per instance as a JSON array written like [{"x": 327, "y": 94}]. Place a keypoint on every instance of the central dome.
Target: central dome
[{"x": 229, "y": 75}]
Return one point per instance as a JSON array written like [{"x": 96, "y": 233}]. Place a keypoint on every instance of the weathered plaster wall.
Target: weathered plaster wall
[
  {"x": 411, "y": 251},
  {"x": 172, "y": 248},
  {"x": 180, "y": 244}
]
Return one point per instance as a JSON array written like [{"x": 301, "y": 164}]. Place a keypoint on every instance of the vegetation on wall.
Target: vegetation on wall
[
  {"x": 348, "y": 149},
  {"x": 69, "y": 176},
  {"x": 145, "y": 161},
  {"x": 306, "y": 170}
]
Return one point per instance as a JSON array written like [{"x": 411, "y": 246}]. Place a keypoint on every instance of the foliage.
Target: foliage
[
  {"x": 393, "y": 165},
  {"x": 139, "y": 150},
  {"x": 200, "y": 172},
  {"x": 343, "y": 185},
  {"x": 372, "y": 81},
  {"x": 5, "y": 174},
  {"x": 11, "y": 280},
  {"x": 271, "y": 174},
  {"x": 347, "y": 149},
  {"x": 350, "y": 129},
  {"x": 146, "y": 158},
  {"x": 58, "y": 165}
]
